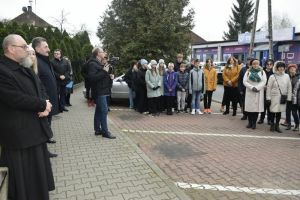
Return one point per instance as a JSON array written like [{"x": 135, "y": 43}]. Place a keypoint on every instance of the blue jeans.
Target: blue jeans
[
  {"x": 131, "y": 98},
  {"x": 100, "y": 117},
  {"x": 196, "y": 99}
]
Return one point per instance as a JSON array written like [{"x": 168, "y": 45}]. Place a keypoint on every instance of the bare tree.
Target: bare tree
[
  {"x": 279, "y": 21},
  {"x": 62, "y": 20}
]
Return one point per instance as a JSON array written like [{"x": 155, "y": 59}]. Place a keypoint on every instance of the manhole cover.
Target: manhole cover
[
  {"x": 130, "y": 117},
  {"x": 177, "y": 150}
]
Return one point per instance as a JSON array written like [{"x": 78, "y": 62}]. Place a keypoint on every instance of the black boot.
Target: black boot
[
  {"x": 244, "y": 117},
  {"x": 226, "y": 112},
  {"x": 234, "y": 113},
  {"x": 296, "y": 127},
  {"x": 277, "y": 129},
  {"x": 288, "y": 127},
  {"x": 253, "y": 124},
  {"x": 249, "y": 124},
  {"x": 272, "y": 128},
  {"x": 260, "y": 121}
]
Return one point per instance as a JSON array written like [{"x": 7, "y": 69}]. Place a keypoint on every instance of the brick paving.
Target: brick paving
[
  {"x": 216, "y": 160},
  {"x": 91, "y": 167}
]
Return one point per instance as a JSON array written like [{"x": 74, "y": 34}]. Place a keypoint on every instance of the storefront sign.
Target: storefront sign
[
  {"x": 206, "y": 50},
  {"x": 262, "y": 36},
  {"x": 235, "y": 49}
]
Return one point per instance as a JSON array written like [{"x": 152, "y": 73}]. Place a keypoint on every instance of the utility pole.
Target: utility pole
[
  {"x": 270, "y": 29},
  {"x": 253, "y": 29}
]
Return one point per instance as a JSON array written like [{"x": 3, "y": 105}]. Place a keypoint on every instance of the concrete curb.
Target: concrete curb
[
  {"x": 78, "y": 85},
  {"x": 179, "y": 193}
]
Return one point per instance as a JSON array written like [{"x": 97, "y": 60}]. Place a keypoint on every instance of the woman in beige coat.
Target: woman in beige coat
[
  {"x": 254, "y": 80},
  {"x": 279, "y": 84}
]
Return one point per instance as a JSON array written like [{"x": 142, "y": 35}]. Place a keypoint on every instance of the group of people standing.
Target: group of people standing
[
  {"x": 155, "y": 87},
  {"x": 267, "y": 90},
  {"x": 31, "y": 92},
  {"x": 275, "y": 89}
]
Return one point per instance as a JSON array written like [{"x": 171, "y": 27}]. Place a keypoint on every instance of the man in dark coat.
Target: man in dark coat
[
  {"x": 242, "y": 88},
  {"x": 24, "y": 128},
  {"x": 47, "y": 76},
  {"x": 46, "y": 72},
  {"x": 62, "y": 70},
  {"x": 100, "y": 81}
]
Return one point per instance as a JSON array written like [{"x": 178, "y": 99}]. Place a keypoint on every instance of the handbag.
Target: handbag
[
  {"x": 283, "y": 98},
  {"x": 69, "y": 85}
]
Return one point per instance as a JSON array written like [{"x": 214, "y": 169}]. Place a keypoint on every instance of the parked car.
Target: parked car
[
  {"x": 119, "y": 89},
  {"x": 219, "y": 66}
]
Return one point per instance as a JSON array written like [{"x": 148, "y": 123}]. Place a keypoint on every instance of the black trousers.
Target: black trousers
[
  {"x": 62, "y": 97},
  {"x": 161, "y": 103},
  {"x": 188, "y": 101},
  {"x": 252, "y": 117},
  {"x": 68, "y": 96},
  {"x": 153, "y": 105},
  {"x": 142, "y": 101},
  {"x": 207, "y": 99},
  {"x": 275, "y": 115},
  {"x": 292, "y": 110},
  {"x": 266, "y": 109},
  {"x": 170, "y": 103},
  {"x": 231, "y": 95}
]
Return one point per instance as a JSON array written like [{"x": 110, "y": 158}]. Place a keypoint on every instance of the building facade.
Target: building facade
[{"x": 286, "y": 47}]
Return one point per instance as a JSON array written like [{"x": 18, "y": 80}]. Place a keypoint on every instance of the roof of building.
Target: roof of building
[
  {"x": 196, "y": 39},
  {"x": 30, "y": 18}
]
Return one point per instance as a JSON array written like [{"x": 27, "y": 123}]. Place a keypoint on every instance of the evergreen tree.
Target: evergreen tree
[
  {"x": 151, "y": 29},
  {"x": 82, "y": 37},
  {"x": 241, "y": 20}
]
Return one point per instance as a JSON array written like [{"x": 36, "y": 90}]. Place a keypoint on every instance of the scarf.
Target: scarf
[{"x": 254, "y": 75}]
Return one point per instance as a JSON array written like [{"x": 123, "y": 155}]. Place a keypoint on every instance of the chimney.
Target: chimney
[{"x": 29, "y": 9}]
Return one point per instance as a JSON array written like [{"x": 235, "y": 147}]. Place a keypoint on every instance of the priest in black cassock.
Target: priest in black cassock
[{"x": 24, "y": 128}]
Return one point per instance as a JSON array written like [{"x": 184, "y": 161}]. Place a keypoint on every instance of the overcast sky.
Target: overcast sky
[{"x": 211, "y": 16}]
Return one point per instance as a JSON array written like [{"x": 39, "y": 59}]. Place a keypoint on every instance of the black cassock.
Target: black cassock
[{"x": 23, "y": 134}]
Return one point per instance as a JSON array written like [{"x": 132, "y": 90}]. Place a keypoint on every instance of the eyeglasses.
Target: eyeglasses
[
  {"x": 269, "y": 63},
  {"x": 25, "y": 46}
]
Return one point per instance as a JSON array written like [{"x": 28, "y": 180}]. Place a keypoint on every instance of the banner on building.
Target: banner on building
[{"x": 285, "y": 34}]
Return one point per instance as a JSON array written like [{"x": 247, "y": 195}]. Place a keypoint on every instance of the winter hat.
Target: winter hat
[
  {"x": 161, "y": 61},
  {"x": 292, "y": 65},
  {"x": 279, "y": 64},
  {"x": 153, "y": 62},
  {"x": 143, "y": 62}
]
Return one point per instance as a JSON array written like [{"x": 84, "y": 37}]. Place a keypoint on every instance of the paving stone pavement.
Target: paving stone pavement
[
  {"x": 217, "y": 150},
  {"x": 91, "y": 167}
]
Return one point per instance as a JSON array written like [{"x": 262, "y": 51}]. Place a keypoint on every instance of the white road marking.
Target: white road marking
[
  {"x": 212, "y": 134},
  {"x": 250, "y": 190}
]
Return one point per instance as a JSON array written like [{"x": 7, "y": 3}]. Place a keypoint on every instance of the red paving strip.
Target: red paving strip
[{"x": 227, "y": 161}]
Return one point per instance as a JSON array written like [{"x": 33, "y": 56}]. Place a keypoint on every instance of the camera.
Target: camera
[{"x": 113, "y": 60}]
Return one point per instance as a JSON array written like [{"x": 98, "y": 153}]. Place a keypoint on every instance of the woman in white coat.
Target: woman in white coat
[
  {"x": 279, "y": 84},
  {"x": 254, "y": 80}
]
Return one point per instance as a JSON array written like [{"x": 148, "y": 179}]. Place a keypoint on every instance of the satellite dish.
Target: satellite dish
[{"x": 24, "y": 9}]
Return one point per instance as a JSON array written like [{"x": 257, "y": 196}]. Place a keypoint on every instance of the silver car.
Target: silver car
[
  {"x": 219, "y": 66},
  {"x": 120, "y": 88}
]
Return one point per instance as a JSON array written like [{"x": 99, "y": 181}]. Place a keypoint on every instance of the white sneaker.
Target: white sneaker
[
  {"x": 199, "y": 112},
  {"x": 193, "y": 111}
]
